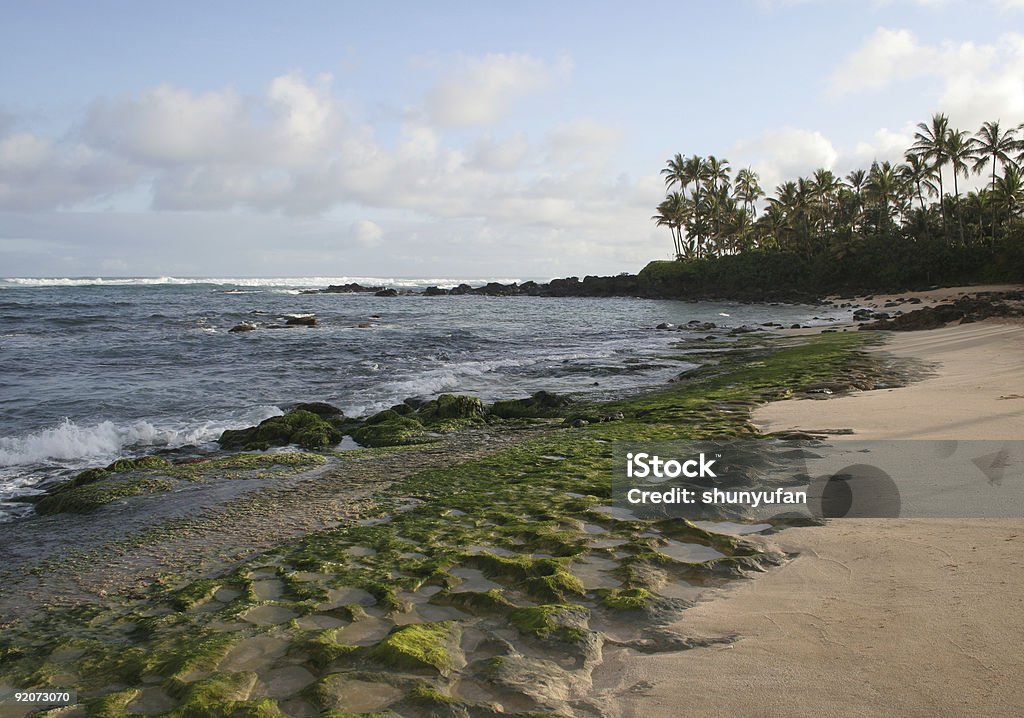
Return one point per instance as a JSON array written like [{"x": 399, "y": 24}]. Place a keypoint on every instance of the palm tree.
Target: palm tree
[
  {"x": 675, "y": 173},
  {"x": 747, "y": 189},
  {"x": 930, "y": 142},
  {"x": 883, "y": 189},
  {"x": 672, "y": 213},
  {"x": 1008, "y": 192},
  {"x": 916, "y": 171},
  {"x": 960, "y": 150},
  {"x": 993, "y": 146}
]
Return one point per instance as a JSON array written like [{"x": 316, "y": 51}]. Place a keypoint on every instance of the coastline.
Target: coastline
[
  {"x": 440, "y": 532},
  {"x": 873, "y": 616}
]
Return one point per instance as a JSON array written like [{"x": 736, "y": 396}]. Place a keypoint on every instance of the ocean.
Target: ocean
[{"x": 94, "y": 369}]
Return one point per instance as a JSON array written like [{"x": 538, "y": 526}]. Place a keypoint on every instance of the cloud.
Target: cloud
[
  {"x": 367, "y": 233},
  {"x": 296, "y": 150},
  {"x": 976, "y": 81},
  {"x": 483, "y": 91},
  {"x": 583, "y": 141},
  {"x": 781, "y": 155}
]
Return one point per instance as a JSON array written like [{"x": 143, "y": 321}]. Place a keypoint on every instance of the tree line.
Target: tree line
[{"x": 712, "y": 213}]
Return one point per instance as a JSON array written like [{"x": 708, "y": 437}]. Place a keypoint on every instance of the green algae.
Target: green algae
[
  {"x": 392, "y": 431},
  {"x": 551, "y": 621},
  {"x": 112, "y": 705},
  {"x": 418, "y": 646},
  {"x": 542, "y": 578},
  {"x": 323, "y": 647},
  {"x": 82, "y": 499},
  {"x": 305, "y": 428},
  {"x": 626, "y": 599}
]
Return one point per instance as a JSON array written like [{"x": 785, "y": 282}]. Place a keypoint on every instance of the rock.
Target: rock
[
  {"x": 351, "y": 288},
  {"x": 461, "y": 289},
  {"x": 305, "y": 428},
  {"x": 300, "y": 320},
  {"x": 319, "y": 408},
  {"x": 452, "y": 406},
  {"x": 795, "y": 326},
  {"x": 386, "y": 293},
  {"x": 243, "y": 327},
  {"x": 665, "y": 325},
  {"x": 541, "y": 404},
  {"x": 436, "y": 292},
  {"x": 389, "y": 430},
  {"x": 879, "y": 315}
]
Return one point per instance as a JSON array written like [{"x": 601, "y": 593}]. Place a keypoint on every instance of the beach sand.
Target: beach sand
[{"x": 874, "y": 617}]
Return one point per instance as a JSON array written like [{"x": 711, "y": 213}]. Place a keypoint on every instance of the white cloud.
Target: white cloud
[
  {"x": 367, "y": 233},
  {"x": 785, "y": 154},
  {"x": 976, "y": 81},
  {"x": 483, "y": 91}
]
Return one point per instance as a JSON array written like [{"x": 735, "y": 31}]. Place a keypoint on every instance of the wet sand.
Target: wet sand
[{"x": 873, "y": 616}]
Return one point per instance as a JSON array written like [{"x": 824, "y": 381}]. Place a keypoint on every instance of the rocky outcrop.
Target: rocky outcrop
[
  {"x": 351, "y": 288},
  {"x": 971, "y": 308},
  {"x": 305, "y": 428}
]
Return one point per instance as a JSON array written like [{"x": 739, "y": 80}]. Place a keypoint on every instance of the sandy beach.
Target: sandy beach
[{"x": 872, "y": 617}]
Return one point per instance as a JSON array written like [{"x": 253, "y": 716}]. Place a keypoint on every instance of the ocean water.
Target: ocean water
[{"x": 95, "y": 369}]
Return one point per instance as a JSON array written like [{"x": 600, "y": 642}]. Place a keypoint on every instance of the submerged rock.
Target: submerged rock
[
  {"x": 295, "y": 320},
  {"x": 243, "y": 327}
]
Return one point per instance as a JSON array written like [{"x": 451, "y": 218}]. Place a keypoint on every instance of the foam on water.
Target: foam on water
[{"x": 68, "y": 443}]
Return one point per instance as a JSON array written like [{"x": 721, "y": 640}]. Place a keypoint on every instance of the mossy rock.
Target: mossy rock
[
  {"x": 381, "y": 416},
  {"x": 452, "y": 406},
  {"x": 112, "y": 705},
  {"x": 393, "y": 431},
  {"x": 543, "y": 404},
  {"x": 626, "y": 599},
  {"x": 321, "y": 409},
  {"x": 477, "y": 602},
  {"x": 546, "y": 579},
  {"x": 224, "y": 695},
  {"x": 564, "y": 622},
  {"x": 298, "y": 426},
  {"x": 82, "y": 499},
  {"x": 419, "y": 646}
]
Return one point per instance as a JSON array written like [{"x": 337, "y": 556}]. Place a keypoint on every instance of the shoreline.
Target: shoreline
[
  {"x": 445, "y": 529},
  {"x": 873, "y": 616}
]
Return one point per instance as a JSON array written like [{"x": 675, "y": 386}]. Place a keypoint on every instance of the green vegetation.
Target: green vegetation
[
  {"x": 308, "y": 430},
  {"x": 626, "y": 599},
  {"x": 561, "y": 621},
  {"x": 419, "y": 645},
  {"x": 541, "y": 404},
  {"x": 125, "y": 478},
  {"x": 872, "y": 230}
]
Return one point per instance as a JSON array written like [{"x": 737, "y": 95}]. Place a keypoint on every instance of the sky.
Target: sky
[{"x": 447, "y": 139}]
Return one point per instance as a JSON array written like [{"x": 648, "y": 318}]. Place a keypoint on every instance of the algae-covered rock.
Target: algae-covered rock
[
  {"x": 563, "y": 621},
  {"x": 393, "y": 431},
  {"x": 546, "y": 579},
  {"x": 305, "y": 428},
  {"x": 320, "y": 408},
  {"x": 542, "y": 404},
  {"x": 433, "y": 646},
  {"x": 452, "y": 406},
  {"x": 82, "y": 499}
]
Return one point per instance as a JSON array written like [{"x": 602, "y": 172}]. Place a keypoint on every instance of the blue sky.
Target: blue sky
[{"x": 446, "y": 139}]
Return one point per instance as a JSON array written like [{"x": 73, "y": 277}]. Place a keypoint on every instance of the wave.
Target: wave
[
  {"x": 270, "y": 282},
  {"x": 70, "y": 444}
]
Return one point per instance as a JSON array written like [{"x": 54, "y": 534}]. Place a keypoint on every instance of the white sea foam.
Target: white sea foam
[
  {"x": 70, "y": 444},
  {"x": 270, "y": 282}
]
